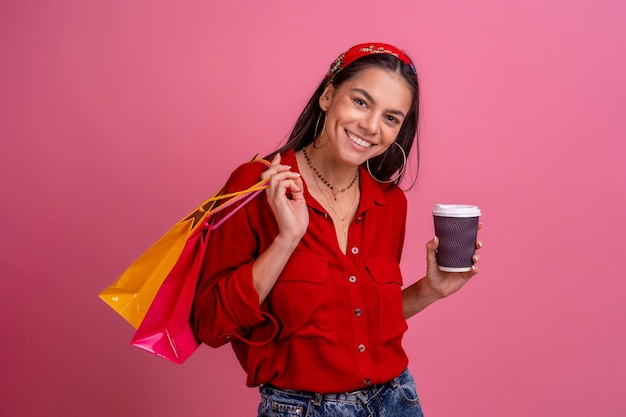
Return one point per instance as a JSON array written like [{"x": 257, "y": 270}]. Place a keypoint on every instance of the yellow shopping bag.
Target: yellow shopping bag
[{"x": 132, "y": 294}]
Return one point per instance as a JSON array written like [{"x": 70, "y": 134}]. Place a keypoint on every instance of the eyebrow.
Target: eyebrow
[{"x": 371, "y": 99}]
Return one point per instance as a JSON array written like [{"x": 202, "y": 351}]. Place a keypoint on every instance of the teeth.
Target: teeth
[{"x": 358, "y": 140}]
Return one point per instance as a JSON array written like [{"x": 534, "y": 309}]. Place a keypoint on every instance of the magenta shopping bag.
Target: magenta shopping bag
[{"x": 165, "y": 330}]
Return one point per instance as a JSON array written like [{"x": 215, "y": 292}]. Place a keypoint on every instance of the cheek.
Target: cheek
[
  {"x": 342, "y": 110},
  {"x": 389, "y": 135},
  {"x": 381, "y": 150}
]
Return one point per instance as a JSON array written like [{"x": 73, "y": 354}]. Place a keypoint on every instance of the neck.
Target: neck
[{"x": 334, "y": 172}]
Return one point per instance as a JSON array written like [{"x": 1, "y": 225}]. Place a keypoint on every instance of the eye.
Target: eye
[
  {"x": 359, "y": 102},
  {"x": 392, "y": 119}
]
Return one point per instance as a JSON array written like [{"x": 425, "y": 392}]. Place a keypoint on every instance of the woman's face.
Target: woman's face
[{"x": 364, "y": 115}]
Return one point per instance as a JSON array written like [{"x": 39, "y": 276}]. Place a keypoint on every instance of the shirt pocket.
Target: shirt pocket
[
  {"x": 387, "y": 277},
  {"x": 302, "y": 300}
]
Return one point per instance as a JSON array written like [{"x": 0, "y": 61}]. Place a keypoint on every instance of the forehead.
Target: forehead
[{"x": 387, "y": 88}]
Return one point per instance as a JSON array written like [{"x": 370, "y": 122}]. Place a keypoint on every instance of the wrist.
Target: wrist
[
  {"x": 418, "y": 296},
  {"x": 429, "y": 291},
  {"x": 286, "y": 243}
]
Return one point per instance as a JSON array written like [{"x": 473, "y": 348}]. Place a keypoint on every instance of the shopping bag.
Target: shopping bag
[
  {"x": 165, "y": 329},
  {"x": 131, "y": 295}
]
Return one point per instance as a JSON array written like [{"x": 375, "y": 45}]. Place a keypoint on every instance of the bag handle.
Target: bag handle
[
  {"x": 248, "y": 194},
  {"x": 246, "y": 201},
  {"x": 239, "y": 195}
]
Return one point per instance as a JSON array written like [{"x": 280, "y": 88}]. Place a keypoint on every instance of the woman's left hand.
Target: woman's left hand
[{"x": 446, "y": 283}]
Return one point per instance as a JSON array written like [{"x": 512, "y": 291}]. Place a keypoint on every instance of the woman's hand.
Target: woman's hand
[
  {"x": 446, "y": 283},
  {"x": 286, "y": 198},
  {"x": 436, "y": 284}
]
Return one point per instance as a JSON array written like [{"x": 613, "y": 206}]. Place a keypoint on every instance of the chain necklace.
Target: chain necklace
[
  {"x": 342, "y": 218},
  {"x": 334, "y": 190}
]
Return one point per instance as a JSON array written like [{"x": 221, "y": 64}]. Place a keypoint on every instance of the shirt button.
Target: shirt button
[
  {"x": 361, "y": 348},
  {"x": 357, "y": 312},
  {"x": 355, "y": 250},
  {"x": 358, "y": 220},
  {"x": 367, "y": 381},
  {"x": 352, "y": 278}
]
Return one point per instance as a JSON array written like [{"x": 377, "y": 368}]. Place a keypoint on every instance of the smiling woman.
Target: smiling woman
[
  {"x": 306, "y": 283},
  {"x": 364, "y": 117}
]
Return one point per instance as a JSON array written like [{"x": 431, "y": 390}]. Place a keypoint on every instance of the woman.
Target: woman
[{"x": 306, "y": 283}]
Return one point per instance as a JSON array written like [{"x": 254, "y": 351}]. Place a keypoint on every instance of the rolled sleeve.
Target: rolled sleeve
[
  {"x": 230, "y": 309},
  {"x": 242, "y": 298}
]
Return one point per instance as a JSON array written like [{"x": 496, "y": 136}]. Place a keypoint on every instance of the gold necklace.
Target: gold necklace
[
  {"x": 328, "y": 184},
  {"x": 342, "y": 218}
]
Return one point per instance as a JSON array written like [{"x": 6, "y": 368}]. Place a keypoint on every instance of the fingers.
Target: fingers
[
  {"x": 282, "y": 179},
  {"x": 275, "y": 168},
  {"x": 433, "y": 244},
  {"x": 292, "y": 181},
  {"x": 286, "y": 180},
  {"x": 297, "y": 190},
  {"x": 479, "y": 243},
  {"x": 475, "y": 259},
  {"x": 431, "y": 251}
]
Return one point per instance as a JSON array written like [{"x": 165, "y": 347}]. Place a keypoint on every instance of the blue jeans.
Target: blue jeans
[{"x": 396, "y": 398}]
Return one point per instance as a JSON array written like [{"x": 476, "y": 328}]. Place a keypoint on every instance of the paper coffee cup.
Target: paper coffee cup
[{"x": 456, "y": 226}]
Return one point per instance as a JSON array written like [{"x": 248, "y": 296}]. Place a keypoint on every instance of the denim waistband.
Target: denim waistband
[{"x": 360, "y": 395}]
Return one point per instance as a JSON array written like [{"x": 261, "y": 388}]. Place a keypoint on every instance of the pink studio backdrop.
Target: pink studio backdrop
[{"x": 117, "y": 117}]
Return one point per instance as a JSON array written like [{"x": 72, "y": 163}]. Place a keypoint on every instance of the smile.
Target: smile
[{"x": 357, "y": 140}]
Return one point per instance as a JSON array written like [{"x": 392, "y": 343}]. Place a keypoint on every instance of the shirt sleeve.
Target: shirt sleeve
[
  {"x": 226, "y": 304},
  {"x": 402, "y": 213}
]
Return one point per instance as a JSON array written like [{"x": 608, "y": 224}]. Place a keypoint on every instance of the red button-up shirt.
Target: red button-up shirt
[{"x": 332, "y": 322}]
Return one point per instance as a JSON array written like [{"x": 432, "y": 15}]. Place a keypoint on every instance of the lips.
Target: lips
[{"x": 358, "y": 141}]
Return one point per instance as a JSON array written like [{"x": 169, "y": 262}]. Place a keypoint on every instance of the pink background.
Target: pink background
[{"x": 117, "y": 117}]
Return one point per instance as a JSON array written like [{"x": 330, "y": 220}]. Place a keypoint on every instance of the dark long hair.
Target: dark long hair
[{"x": 383, "y": 167}]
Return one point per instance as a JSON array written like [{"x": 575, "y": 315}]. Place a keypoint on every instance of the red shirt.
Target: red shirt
[{"x": 332, "y": 322}]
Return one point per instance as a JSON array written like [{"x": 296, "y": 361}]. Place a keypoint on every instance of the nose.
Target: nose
[{"x": 369, "y": 123}]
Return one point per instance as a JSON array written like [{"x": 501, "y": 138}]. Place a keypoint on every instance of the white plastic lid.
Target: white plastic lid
[{"x": 456, "y": 210}]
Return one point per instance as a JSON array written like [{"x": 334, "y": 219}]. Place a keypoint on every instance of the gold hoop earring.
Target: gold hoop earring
[
  {"x": 317, "y": 123},
  {"x": 367, "y": 165}
]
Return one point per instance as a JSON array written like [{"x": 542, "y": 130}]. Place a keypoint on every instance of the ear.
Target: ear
[{"x": 326, "y": 97}]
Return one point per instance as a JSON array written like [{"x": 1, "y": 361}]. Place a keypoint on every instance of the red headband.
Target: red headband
[{"x": 364, "y": 49}]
